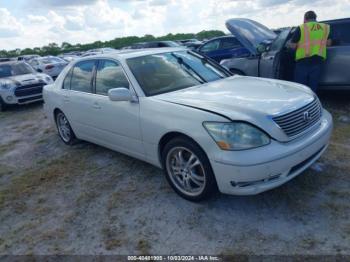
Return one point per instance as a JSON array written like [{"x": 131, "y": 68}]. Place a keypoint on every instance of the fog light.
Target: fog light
[{"x": 9, "y": 98}]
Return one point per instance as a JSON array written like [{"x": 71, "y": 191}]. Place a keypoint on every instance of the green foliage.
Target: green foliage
[{"x": 55, "y": 49}]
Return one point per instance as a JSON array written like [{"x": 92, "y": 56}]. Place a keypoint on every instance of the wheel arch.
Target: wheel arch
[{"x": 172, "y": 135}]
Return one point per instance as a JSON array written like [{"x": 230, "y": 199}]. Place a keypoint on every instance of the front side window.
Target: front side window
[
  {"x": 211, "y": 46},
  {"x": 279, "y": 42},
  {"x": 82, "y": 76},
  {"x": 230, "y": 43},
  {"x": 167, "y": 72},
  {"x": 110, "y": 75}
]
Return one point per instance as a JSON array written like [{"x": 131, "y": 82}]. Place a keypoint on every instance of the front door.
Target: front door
[{"x": 117, "y": 123}]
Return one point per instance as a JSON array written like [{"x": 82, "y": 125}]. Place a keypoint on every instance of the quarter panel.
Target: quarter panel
[{"x": 159, "y": 118}]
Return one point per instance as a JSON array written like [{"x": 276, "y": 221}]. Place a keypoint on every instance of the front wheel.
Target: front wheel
[
  {"x": 2, "y": 106},
  {"x": 188, "y": 170},
  {"x": 64, "y": 129}
]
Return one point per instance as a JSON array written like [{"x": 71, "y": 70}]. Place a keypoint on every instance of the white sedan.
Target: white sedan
[{"x": 207, "y": 129}]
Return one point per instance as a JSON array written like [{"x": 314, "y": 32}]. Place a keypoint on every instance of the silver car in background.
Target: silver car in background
[
  {"x": 181, "y": 112},
  {"x": 269, "y": 56},
  {"x": 49, "y": 65}
]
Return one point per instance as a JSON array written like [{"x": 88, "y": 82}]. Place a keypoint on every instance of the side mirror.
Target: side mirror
[
  {"x": 261, "y": 48},
  {"x": 120, "y": 94}
]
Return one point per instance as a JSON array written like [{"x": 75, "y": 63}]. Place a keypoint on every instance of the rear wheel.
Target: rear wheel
[
  {"x": 188, "y": 170},
  {"x": 64, "y": 129}
]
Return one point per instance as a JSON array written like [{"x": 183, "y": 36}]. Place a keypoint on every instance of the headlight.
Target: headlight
[
  {"x": 236, "y": 135},
  {"x": 7, "y": 84},
  {"x": 48, "y": 79}
]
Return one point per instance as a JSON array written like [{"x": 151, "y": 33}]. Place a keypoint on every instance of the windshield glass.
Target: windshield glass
[
  {"x": 167, "y": 72},
  {"x": 7, "y": 70},
  {"x": 279, "y": 42},
  {"x": 50, "y": 60}
]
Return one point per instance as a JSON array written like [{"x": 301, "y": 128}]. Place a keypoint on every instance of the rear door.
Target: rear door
[
  {"x": 336, "y": 69},
  {"x": 78, "y": 98}
]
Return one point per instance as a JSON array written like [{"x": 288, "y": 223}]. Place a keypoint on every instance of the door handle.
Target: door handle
[{"x": 96, "y": 106}]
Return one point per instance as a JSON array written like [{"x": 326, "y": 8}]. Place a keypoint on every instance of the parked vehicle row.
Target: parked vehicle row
[{"x": 182, "y": 112}]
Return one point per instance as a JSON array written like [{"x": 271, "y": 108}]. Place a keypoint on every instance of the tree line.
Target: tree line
[{"x": 55, "y": 49}]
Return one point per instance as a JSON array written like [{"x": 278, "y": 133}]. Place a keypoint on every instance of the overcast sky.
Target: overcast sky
[{"x": 30, "y": 23}]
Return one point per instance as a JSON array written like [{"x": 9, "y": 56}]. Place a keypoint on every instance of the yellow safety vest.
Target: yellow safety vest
[{"x": 313, "y": 40}]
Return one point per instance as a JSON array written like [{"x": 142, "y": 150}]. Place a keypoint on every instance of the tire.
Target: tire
[
  {"x": 188, "y": 170},
  {"x": 64, "y": 129},
  {"x": 3, "y": 106}
]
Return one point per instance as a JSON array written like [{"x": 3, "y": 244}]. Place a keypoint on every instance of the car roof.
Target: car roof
[
  {"x": 131, "y": 53},
  {"x": 337, "y": 20}
]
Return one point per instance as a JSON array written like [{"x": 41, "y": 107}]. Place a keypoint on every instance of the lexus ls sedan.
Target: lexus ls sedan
[{"x": 181, "y": 112}]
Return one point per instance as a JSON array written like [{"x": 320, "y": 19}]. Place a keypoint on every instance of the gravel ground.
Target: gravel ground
[{"x": 85, "y": 199}]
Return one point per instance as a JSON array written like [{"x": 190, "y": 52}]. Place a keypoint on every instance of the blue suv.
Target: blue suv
[{"x": 224, "y": 47}]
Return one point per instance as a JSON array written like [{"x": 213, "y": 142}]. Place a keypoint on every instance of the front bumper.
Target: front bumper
[
  {"x": 254, "y": 171},
  {"x": 23, "y": 94}
]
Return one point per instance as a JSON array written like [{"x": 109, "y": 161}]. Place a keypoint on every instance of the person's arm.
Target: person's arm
[{"x": 295, "y": 39}]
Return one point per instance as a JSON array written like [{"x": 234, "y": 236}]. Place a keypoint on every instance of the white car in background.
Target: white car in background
[
  {"x": 20, "y": 84},
  {"x": 49, "y": 65},
  {"x": 181, "y": 112}
]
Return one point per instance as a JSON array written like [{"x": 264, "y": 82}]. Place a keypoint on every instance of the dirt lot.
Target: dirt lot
[{"x": 85, "y": 199}]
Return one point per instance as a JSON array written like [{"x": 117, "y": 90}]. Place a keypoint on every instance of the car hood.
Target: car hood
[
  {"x": 243, "y": 98},
  {"x": 27, "y": 79},
  {"x": 250, "y": 33}
]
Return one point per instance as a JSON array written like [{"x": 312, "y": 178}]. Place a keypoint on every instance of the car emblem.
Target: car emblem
[{"x": 307, "y": 116}]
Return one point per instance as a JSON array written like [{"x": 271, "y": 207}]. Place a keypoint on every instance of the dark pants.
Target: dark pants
[{"x": 308, "y": 74}]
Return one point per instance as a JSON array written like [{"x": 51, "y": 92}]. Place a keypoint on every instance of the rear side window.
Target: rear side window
[
  {"x": 340, "y": 33},
  {"x": 82, "y": 76},
  {"x": 211, "y": 46},
  {"x": 230, "y": 43},
  {"x": 67, "y": 80},
  {"x": 110, "y": 75}
]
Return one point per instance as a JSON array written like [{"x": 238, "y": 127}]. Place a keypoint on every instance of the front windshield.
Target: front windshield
[
  {"x": 167, "y": 72},
  {"x": 7, "y": 70}
]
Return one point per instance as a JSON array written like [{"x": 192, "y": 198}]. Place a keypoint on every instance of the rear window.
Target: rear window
[{"x": 51, "y": 60}]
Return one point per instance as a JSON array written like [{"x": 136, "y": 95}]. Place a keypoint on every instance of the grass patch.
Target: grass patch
[
  {"x": 45, "y": 176},
  {"x": 143, "y": 246},
  {"x": 8, "y": 146}
]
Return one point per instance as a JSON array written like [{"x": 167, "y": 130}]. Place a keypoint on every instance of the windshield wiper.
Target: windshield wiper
[{"x": 189, "y": 69}]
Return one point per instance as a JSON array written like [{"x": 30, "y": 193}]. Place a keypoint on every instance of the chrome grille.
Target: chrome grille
[{"x": 296, "y": 122}]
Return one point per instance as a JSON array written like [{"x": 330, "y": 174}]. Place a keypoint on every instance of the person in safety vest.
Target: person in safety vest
[{"x": 310, "y": 41}]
